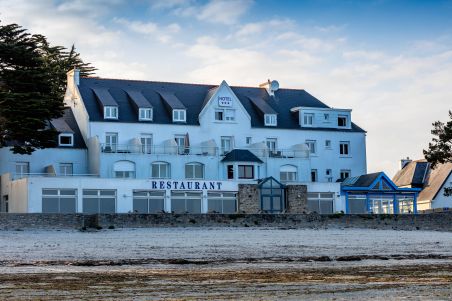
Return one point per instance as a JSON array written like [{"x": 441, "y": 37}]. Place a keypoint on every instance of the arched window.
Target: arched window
[
  {"x": 124, "y": 169},
  {"x": 194, "y": 170},
  {"x": 288, "y": 173},
  {"x": 160, "y": 170}
]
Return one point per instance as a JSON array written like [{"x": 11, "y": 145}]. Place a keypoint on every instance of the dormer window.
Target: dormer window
[
  {"x": 308, "y": 119},
  {"x": 270, "y": 119},
  {"x": 342, "y": 121},
  {"x": 145, "y": 114},
  {"x": 66, "y": 140},
  {"x": 179, "y": 116},
  {"x": 110, "y": 112}
]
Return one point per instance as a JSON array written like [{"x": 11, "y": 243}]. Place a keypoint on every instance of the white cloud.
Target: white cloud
[
  {"x": 224, "y": 11},
  {"x": 395, "y": 96}
]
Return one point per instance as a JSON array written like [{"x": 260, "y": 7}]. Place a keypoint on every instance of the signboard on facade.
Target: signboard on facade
[
  {"x": 187, "y": 185},
  {"x": 224, "y": 101}
]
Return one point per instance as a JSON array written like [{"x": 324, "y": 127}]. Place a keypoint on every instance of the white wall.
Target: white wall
[
  {"x": 442, "y": 201},
  {"x": 42, "y": 158},
  {"x": 124, "y": 188}
]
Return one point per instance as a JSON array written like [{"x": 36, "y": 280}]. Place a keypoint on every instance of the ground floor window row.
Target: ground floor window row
[
  {"x": 380, "y": 204},
  {"x": 143, "y": 201}
]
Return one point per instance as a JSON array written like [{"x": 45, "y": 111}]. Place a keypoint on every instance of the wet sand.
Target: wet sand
[{"x": 270, "y": 264}]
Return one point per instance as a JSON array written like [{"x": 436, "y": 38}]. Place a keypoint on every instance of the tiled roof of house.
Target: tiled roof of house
[{"x": 419, "y": 174}]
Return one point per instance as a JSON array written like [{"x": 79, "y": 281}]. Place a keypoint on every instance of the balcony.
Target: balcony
[
  {"x": 159, "y": 150},
  {"x": 18, "y": 176},
  {"x": 198, "y": 151}
]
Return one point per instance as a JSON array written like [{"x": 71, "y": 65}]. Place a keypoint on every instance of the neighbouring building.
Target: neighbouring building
[
  {"x": 145, "y": 146},
  {"x": 419, "y": 174},
  {"x": 375, "y": 193}
]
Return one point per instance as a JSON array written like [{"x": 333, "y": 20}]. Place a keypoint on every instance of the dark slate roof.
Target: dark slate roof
[
  {"x": 104, "y": 97},
  {"x": 69, "y": 119},
  {"x": 171, "y": 100},
  {"x": 262, "y": 105},
  {"x": 193, "y": 97},
  {"x": 241, "y": 155},
  {"x": 361, "y": 181},
  {"x": 61, "y": 125},
  {"x": 138, "y": 99}
]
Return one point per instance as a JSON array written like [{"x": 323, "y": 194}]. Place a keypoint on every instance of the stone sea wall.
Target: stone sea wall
[{"x": 16, "y": 221}]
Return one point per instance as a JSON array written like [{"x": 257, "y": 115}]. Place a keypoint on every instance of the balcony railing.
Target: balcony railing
[
  {"x": 197, "y": 150},
  {"x": 159, "y": 150},
  {"x": 27, "y": 175}
]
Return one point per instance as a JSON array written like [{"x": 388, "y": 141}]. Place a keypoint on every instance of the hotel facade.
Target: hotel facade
[{"x": 141, "y": 146}]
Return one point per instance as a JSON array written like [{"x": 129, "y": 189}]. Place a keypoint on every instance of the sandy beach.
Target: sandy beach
[{"x": 225, "y": 263}]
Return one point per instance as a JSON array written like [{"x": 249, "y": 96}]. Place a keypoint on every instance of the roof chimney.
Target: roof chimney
[
  {"x": 271, "y": 86},
  {"x": 405, "y": 162}
]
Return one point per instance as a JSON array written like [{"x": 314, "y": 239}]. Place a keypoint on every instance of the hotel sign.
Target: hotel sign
[
  {"x": 186, "y": 185},
  {"x": 224, "y": 101}
]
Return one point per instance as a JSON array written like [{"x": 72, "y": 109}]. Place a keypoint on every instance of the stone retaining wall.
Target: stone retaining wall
[{"x": 435, "y": 221}]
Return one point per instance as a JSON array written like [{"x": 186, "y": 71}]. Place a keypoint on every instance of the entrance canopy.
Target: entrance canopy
[{"x": 376, "y": 193}]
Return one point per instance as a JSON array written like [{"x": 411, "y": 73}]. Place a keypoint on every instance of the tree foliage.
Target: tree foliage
[
  {"x": 32, "y": 87},
  {"x": 440, "y": 149}
]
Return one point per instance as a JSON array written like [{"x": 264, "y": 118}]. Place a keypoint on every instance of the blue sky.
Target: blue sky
[{"x": 389, "y": 61}]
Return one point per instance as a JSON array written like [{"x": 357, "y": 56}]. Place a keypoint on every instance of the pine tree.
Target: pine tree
[
  {"x": 32, "y": 86},
  {"x": 440, "y": 149}
]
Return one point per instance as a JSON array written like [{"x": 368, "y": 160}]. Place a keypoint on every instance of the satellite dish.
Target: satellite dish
[{"x": 274, "y": 86}]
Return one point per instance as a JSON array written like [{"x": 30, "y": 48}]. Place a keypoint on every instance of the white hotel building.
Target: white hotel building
[{"x": 142, "y": 146}]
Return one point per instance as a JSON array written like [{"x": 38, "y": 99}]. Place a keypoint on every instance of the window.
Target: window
[
  {"x": 222, "y": 202},
  {"x": 148, "y": 201},
  {"x": 308, "y": 119},
  {"x": 99, "y": 201},
  {"x": 326, "y": 117},
  {"x": 180, "y": 141},
  {"x": 230, "y": 171},
  {"x": 313, "y": 175},
  {"x": 246, "y": 172},
  {"x": 160, "y": 170},
  {"x": 226, "y": 145},
  {"x": 312, "y": 146},
  {"x": 186, "y": 201},
  {"x": 22, "y": 168},
  {"x": 322, "y": 203},
  {"x": 146, "y": 143},
  {"x": 110, "y": 112},
  {"x": 329, "y": 175},
  {"x": 248, "y": 140},
  {"x": 344, "y": 148},
  {"x": 66, "y": 169},
  {"x": 124, "y": 169},
  {"x": 345, "y": 173},
  {"x": 111, "y": 142},
  {"x": 194, "y": 171},
  {"x": 145, "y": 114},
  {"x": 270, "y": 119},
  {"x": 179, "y": 116},
  {"x": 224, "y": 115},
  {"x": 342, "y": 121},
  {"x": 59, "y": 200},
  {"x": 288, "y": 173},
  {"x": 271, "y": 144},
  {"x": 66, "y": 139},
  {"x": 328, "y": 144}
]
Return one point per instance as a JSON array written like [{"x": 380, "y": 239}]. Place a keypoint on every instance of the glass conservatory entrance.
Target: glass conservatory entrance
[{"x": 272, "y": 196}]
